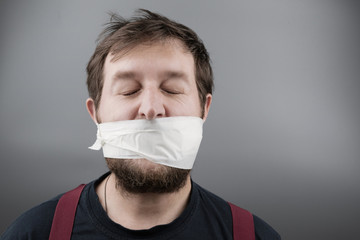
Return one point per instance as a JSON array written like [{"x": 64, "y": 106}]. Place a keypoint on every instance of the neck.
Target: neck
[{"x": 145, "y": 210}]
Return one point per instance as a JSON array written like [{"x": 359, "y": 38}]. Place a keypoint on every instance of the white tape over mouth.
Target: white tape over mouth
[{"x": 171, "y": 141}]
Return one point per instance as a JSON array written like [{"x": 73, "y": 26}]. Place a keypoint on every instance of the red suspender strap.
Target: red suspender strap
[
  {"x": 64, "y": 216},
  {"x": 243, "y": 223}
]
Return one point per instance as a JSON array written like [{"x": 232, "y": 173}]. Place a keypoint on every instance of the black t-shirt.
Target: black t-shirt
[{"x": 206, "y": 217}]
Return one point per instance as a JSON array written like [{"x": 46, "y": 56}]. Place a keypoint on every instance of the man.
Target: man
[{"x": 150, "y": 85}]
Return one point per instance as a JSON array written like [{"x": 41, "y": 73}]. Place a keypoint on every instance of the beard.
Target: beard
[{"x": 135, "y": 178}]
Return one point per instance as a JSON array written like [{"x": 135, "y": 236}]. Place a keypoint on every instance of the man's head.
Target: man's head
[
  {"x": 148, "y": 67},
  {"x": 121, "y": 36}
]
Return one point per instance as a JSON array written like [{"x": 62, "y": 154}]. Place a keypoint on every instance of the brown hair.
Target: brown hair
[{"x": 122, "y": 35}]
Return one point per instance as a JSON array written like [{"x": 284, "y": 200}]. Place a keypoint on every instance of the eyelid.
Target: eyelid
[
  {"x": 171, "y": 91},
  {"x": 173, "y": 86},
  {"x": 129, "y": 93}
]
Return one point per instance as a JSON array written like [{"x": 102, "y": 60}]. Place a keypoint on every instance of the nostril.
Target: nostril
[{"x": 159, "y": 115}]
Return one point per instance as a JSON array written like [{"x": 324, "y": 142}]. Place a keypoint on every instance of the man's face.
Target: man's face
[{"x": 148, "y": 82}]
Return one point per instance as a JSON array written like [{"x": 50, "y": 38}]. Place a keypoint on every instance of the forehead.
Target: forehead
[{"x": 151, "y": 59}]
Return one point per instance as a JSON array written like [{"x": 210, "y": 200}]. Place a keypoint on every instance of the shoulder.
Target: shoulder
[
  {"x": 264, "y": 231},
  {"x": 210, "y": 197},
  {"x": 34, "y": 223},
  {"x": 211, "y": 202}
]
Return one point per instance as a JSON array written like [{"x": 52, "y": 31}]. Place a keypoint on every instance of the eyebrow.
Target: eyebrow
[
  {"x": 131, "y": 75},
  {"x": 174, "y": 75},
  {"x": 127, "y": 75}
]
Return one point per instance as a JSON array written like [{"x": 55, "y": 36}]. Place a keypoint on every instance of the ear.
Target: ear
[
  {"x": 90, "y": 106},
  {"x": 207, "y": 105}
]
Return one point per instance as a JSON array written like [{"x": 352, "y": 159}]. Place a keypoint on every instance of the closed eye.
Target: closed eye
[
  {"x": 172, "y": 92},
  {"x": 132, "y": 92}
]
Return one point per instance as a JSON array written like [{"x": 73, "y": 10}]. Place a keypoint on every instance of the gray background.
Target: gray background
[{"x": 282, "y": 138}]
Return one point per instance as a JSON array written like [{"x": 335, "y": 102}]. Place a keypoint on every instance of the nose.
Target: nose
[{"x": 152, "y": 105}]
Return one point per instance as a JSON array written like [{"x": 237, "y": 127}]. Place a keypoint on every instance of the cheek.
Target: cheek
[
  {"x": 198, "y": 110},
  {"x": 185, "y": 107},
  {"x": 110, "y": 111}
]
